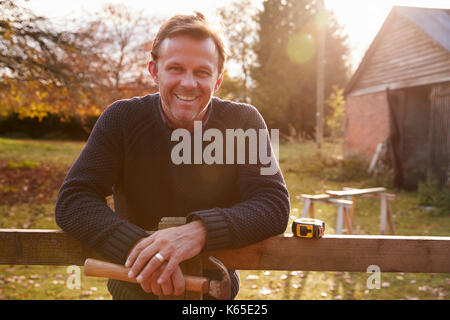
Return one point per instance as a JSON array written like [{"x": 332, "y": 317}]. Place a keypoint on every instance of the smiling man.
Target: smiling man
[
  {"x": 187, "y": 75},
  {"x": 128, "y": 155}
]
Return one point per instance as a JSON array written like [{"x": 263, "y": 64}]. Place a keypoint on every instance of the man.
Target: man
[{"x": 130, "y": 154}]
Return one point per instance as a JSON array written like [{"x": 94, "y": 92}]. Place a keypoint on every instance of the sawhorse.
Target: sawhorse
[
  {"x": 343, "y": 207},
  {"x": 385, "y": 203}
]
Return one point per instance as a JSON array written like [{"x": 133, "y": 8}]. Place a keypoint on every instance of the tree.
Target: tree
[
  {"x": 122, "y": 38},
  {"x": 334, "y": 126},
  {"x": 30, "y": 48},
  {"x": 76, "y": 73},
  {"x": 240, "y": 31},
  {"x": 35, "y": 74},
  {"x": 285, "y": 72}
]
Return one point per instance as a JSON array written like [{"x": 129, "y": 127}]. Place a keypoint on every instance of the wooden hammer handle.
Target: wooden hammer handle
[{"x": 97, "y": 268}]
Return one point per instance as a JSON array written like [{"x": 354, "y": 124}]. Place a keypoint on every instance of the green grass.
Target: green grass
[
  {"x": 305, "y": 171},
  {"x": 57, "y": 153}
]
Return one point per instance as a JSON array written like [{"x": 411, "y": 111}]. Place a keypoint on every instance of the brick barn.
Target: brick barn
[{"x": 400, "y": 96}]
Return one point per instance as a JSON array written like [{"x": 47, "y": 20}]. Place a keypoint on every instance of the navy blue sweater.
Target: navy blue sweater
[{"x": 128, "y": 155}]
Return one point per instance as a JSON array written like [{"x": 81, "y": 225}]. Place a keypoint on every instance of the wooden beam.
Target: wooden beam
[
  {"x": 342, "y": 253},
  {"x": 41, "y": 247},
  {"x": 331, "y": 253},
  {"x": 354, "y": 192}
]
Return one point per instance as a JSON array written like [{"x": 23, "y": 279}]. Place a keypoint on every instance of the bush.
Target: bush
[
  {"x": 53, "y": 126},
  {"x": 430, "y": 194},
  {"x": 351, "y": 168},
  {"x": 16, "y": 135}
]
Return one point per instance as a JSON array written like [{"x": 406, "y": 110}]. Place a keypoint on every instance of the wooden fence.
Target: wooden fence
[{"x": 352, "y": 253}]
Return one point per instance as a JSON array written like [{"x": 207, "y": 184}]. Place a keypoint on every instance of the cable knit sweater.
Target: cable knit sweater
[{"x": 128, "y": 155}]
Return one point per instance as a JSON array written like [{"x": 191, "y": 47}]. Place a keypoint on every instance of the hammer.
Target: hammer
[{"x": 221, "y": 290}]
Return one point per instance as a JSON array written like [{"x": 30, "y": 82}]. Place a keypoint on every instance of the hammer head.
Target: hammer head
[{"x": 221, "y": 290}]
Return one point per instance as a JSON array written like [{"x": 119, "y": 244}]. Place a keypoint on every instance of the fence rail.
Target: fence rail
[{"x": 353, "y": 253}]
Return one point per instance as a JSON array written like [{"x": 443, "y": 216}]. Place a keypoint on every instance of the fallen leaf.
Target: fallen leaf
[{"x": 265, "y": 291}]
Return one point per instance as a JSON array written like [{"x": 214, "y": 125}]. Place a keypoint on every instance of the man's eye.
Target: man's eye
[
  {"x": 174, "y": 69},
  {"x": 204, "y": 73}
]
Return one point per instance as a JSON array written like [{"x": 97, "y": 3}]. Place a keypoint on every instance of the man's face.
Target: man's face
[{"x": 187, "y": 76}]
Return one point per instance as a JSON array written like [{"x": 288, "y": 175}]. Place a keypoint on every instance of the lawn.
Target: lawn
[{"x": 31, "y": 171}]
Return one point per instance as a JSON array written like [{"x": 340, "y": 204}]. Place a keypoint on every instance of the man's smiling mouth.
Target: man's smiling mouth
[{"x": 185, "y": 98}]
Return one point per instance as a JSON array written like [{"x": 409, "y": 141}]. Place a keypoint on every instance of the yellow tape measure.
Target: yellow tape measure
[{"x": 308, "y": 228}]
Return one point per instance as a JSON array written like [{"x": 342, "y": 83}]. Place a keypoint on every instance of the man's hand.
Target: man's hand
[{"x": 176, "y": 245}]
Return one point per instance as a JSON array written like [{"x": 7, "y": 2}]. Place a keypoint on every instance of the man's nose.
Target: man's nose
[{"x": 188, "y": 81}]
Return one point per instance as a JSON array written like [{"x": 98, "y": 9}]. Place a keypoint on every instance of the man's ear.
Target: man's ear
[
  {"x": 153, "y": 70},
  {"x": 218, "y": 82}
]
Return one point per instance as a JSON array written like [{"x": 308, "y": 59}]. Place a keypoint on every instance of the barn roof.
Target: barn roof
[{"x": 435, "y": 23}]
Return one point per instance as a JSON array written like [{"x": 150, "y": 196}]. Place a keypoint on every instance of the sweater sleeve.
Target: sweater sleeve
[
  {"x": 81, "y": 209},
  {"x": 264, "y": 208}
]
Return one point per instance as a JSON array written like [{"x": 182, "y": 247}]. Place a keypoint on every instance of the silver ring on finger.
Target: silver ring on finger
[{"x": 160, "y": 257}]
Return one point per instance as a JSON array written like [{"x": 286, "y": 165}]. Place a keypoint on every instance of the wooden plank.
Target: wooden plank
[
  {"x": 343, "y": 202},
  {"x": 331, "y": 253},
  {"x": 389, "y": 217},
  {"x": 339, "y": 219},
  {"x": 306, "y": 208},
  {"x": 311, "y": 210},
  {"x": 348, "y": 222},
  {"x": 351, "y": 253},
  {"x": 353, "y": 192},
  {"x": 42, "y": 247},
  {"x": 315, "y": 196},
  {"x": 383, "y": 214}
]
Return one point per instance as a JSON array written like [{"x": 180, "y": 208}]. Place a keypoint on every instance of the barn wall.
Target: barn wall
[
  {"x": 366, "y": 123},
  {"x": 404, "y": 57}
]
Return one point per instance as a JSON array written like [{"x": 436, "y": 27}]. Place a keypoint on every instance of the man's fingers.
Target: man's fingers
[
  {"x": 145, "y": 271},
  {"x": 156, "y": 288},
  {"x": 146, "y": 286},
  {"x": 178, "y": 282},
  {"x": 167, "y": 287},
  {"x": 142, "y": 260},
  {"x": 134, "y": 253},
  {"x": 172, "y": 265}
]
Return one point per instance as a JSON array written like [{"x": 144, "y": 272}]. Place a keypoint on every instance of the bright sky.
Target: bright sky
[{"x": 361, "y": 19}]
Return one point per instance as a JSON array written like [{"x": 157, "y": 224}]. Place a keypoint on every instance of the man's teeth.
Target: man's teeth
[{"x": 185, "y": 98}]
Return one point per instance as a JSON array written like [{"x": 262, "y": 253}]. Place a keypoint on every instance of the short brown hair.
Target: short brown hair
[{"x": 195, "y": 26}]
